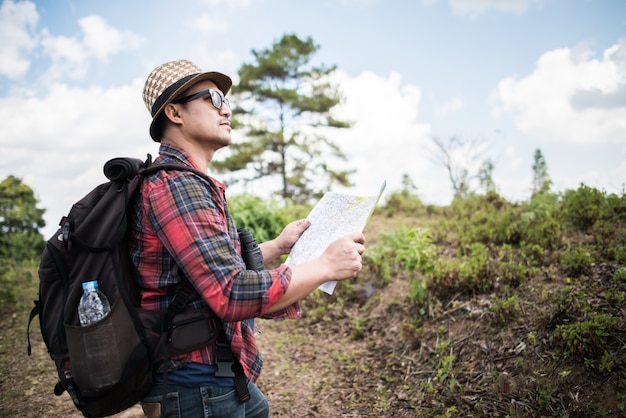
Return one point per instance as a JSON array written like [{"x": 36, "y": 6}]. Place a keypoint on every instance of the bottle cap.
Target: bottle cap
[{"x": 90, "y": 285}]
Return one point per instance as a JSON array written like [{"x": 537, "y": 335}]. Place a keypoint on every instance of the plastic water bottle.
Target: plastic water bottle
[{"x": 93, "y": 305}]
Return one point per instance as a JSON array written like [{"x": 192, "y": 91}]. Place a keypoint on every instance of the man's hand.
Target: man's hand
[{"x": 290, "y": 234}]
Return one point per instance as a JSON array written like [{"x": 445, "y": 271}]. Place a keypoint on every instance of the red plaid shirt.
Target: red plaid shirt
[{"x": 182, "y": 229}]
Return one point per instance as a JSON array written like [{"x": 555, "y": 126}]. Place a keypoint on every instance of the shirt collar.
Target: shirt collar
[{"x": 173, "y": 154}]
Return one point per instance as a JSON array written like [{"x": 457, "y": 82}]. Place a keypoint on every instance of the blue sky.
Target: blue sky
[{"x": 511, "y": 76}]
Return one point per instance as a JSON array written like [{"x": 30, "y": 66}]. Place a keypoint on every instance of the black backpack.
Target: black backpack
[{"x": 107, "y": 367}]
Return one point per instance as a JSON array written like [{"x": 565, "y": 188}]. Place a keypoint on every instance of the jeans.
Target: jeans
[{"x": 208, "y": 401}]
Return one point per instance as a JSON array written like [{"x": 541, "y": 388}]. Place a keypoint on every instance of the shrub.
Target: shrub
[
  {"x": 583, "y": 207},
  {"x": 470, "y": 273},
  {"x": 509, "y": 271},
  {"x": 576, "y": 261},
  {"x": 381, "y": 259},
  {"x": 570, "y": 303},
  {"x": 533, "y": 254},
  {"x": 506, "y": 310},
  {"x": 585, "y": 339},
  {"x": 416, "y": 254},
  {"x": 7, "y": 284},
  {"x": 444, "y": 279},
  {"x": 402, "y": 202},
  {"x": 539, "y": 226},
  {"x": 264, "y": 218},
  {"x": 481, "y": 219},
  {"x": 609, "y": 232}
]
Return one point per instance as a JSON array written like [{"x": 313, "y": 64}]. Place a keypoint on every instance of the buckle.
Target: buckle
[
  {"x": 224, "y": 369},
  {"x": 223, "y": 357},
  {"x": 66, "y": 229}
]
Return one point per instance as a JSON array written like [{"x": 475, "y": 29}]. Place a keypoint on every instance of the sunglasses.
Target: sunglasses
[{"x": 216, "y": 98}]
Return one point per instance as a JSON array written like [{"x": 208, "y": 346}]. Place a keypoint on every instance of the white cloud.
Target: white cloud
[
  {"x": 17, "y": 38},
  {"x": 570, "y": 97},
  {"x": 102, "y": 40},
  {"x": 59, "y": 142},
  {"x": 71, "y": 55},
  {"x": 68, "y": 56},
  {"x": 387, "y": 140}
]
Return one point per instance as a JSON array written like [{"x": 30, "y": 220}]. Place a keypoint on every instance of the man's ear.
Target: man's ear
[{"x": 172, "y": 112}]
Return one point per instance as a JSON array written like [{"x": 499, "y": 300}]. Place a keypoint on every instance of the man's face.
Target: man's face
[{"x": 202, "y": 121}]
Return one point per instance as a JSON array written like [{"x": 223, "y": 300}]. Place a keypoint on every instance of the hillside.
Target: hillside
[{"x": 543, "y": 341}]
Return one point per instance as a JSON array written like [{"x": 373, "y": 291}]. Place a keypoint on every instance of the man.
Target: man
[{"x": 183, "y": 231}]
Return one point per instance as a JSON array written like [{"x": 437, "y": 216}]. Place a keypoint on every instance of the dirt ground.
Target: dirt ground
[{"x": 365, "y": 355}]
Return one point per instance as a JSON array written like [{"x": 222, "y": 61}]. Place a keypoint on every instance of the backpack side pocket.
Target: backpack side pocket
[{"x": 100, "y": 352}]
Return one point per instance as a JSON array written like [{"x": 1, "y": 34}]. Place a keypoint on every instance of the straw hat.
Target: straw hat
[{"x": 168, "y": 80}]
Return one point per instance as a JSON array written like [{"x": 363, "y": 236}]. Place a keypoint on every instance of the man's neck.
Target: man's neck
[{"x": 199, "y": 156}]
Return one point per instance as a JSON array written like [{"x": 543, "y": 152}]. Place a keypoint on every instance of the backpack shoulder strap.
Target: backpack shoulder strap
[{"x": 179, "y": 167}]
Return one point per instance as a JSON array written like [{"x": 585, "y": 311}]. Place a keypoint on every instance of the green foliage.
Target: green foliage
[
  {"x": 539, "y": 225},
  {"x": 20, "y": 221},
  {"x": 359, "y": 327},
  {"x": 609, "y": 362},
  {"x": 445, "y": 370},
  {"x": 487, "y": 243},
  {"x": 509, "y": 271},
  {"x": 570, "y": 303},
  {"x": 588, "y": 329},
  {"x": 416, "y": 251},
  {"x": 484, "y": 221},
  {"x": 600, "y": 220},
  {"x": 506, "y": 310},
  {"x": 476, "y": 270},
  {"x": 264, "y": 218},
  {"x": 416, "y": 254},
  {"x": 284, "y": 109},
  {"x": 478, "y": 267},
  {"x": 20, "y": 239},
  {"x": 583, "y": 207},
  {"x": 411, "y": 332},
  {"x": 404, "y": 250},
  {"x": 533, "y": 254},
  {"x": 470, "y": 272},
  {"x": 616, "y": 297},
  {"x": 7, "y": 284},
  {"x": 576, "y": 260},
  {"x": 585, "y": 339},
  {"x": 376, "y": 261},
  {"x": 609, "y": 231},
  {"x": 490, "y": 219},
  {"x": 402, "y": 203},
  {"x": 380, "y": 259}
]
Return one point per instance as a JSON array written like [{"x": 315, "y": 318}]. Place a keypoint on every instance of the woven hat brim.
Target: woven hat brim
[{"x": 222, "y": 81}]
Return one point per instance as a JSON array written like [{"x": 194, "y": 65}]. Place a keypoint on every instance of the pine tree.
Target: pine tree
[
  {"x": 541, "y": 179},
  {"x": 283, "y": 106}
]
